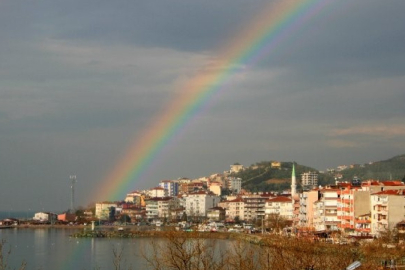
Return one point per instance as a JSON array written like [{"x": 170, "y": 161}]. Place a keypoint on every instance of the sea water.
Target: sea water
[{"x": 53, "y": 248}]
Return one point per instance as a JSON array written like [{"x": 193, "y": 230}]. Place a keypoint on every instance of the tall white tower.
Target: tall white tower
[{"x": 293, "y": 183}]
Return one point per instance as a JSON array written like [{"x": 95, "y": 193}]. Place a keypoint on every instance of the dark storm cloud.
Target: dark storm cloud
[
  {"x": 177, "y": 24},
  {"x": 80, "y": 80}
]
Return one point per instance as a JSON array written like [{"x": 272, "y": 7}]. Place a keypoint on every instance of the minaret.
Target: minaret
[{"x": 293, "y": 183}]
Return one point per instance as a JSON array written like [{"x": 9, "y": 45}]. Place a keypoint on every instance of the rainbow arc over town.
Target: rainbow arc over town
[{"x": 280, "y": 20}]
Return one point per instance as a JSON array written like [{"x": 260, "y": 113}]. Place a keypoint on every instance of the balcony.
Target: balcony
[
  {"x": 346, "y": 226},
  {"x": 382, "y": 210},
  {"x": 363, "y": 221},
  {"x": 332, "y": 222},
  {"x": 383, "y": 221},
  {"x": 363, "y": 230}
]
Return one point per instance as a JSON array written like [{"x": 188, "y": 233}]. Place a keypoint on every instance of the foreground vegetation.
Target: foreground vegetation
[{"x": 187, "y": 251}]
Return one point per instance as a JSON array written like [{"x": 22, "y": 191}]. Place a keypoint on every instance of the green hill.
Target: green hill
[
  {"x": 393, "y": 168},
  {"x": 262, "y": 177}
]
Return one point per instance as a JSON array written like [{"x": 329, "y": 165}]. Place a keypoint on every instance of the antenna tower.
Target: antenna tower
[{"x": 72, "y": 198}]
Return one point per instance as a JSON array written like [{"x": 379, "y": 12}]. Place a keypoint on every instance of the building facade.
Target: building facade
[
  {"x": 172, "y": 187},
  {"x": 309, "y": 179},
  {"x": 198, "y": 203}
]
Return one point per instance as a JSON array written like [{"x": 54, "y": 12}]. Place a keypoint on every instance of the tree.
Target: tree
[
  {"x": 276, "y": 222},
  {"x": 183, "y": 251},
  {"x": 125, "y": 218}
]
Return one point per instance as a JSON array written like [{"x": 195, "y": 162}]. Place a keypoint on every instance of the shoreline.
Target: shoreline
[{"x": 133, "y": 231}]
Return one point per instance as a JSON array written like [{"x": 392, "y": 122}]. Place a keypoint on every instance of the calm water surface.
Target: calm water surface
[{"x": 51, "y": 248}]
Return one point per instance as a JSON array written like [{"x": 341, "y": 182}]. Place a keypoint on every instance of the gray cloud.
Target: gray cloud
[{"x": 81, "y": 80}]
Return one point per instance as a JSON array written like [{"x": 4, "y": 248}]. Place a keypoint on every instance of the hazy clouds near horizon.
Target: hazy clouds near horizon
[{"x": 80, "y": 80}]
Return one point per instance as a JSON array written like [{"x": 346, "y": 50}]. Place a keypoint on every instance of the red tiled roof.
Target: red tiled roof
[
  {"x": 390, "y": 192},
  {"x": 280, "y": 199},
  {"x": 237, "y": 200},
  {"x": 157, "y": 188},
  {"x": 392, "y": 183}
]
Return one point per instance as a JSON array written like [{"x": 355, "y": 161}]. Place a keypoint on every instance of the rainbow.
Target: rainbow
[{"x": 278, "y": 21}]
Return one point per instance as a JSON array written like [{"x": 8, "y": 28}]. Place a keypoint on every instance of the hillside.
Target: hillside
[
  {"x": 393, "y": 168},
  {"x": 262, "y": 177}
]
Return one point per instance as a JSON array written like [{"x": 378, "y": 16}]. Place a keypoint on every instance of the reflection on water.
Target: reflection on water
[{"x": 53, "y": 249}]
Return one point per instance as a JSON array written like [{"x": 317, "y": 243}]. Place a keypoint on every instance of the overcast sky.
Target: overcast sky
[{"x": 81, "y": 79}]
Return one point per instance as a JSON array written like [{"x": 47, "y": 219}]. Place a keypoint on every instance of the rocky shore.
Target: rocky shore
[{"x": 161, "y": 234}]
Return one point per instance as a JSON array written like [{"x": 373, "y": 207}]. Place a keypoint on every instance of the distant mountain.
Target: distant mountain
[
  {"x": 263, "y": 177},
  {"x": 393, "y": 168}
]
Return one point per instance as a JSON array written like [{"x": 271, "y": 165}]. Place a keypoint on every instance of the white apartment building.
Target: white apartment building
[
  {"x": 160, "y": 207},
  {"x": 309, "y": 179},
  {"x": 199, "y": 202},
  {"x": 172, "y": 187},
  {"x": 45, "y": 217},
  {"x": 234, "y": 184},
  {"x": 134, "y": 197},
  {"x": 325, "y": 211},
  {"x": 234, "y": 209},
  {"x": 157, "y": 192},
  {"x": 215, "y": 187},
  {"x": 387, "y": 209},
  {"x": 103, "y": 209},
  {"x": 281, "y": 206}
]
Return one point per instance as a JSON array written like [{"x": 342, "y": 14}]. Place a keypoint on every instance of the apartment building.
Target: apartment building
[
  {"x": 281, "y": 206},
  {"x": 234, "y": 209},
  {"x": 157, "y": 192},
  {"x": 254, "y": 206},
  {"x": 160, "y": 207},
  {"x": 172, "y": 187},
  {"x": 216, "y": 214},
  {"x": 191, "y": 187},
  {"x": 104, "y": 210},
  {"x": 215, "y": 187},
  {"x": 306, "y": 208},
  {"x": 309, "y": 179},
  {"x": 234, "y": 184},
  {"x": 387, "y": 210},
  {"x": 45, "y": 217},
  {"x": 353, "y": 206},
  {"x": 375, "y": 186},
  {"x": 197, "y": 203},
  {"x": 135, "y": 197},
  {"x": 325, "y": 211}
]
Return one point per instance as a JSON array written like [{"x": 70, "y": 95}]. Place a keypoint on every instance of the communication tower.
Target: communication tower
[{"x": 72, "y": 198}]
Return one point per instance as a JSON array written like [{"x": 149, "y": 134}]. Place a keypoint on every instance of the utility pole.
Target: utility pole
[{"x": 72, "y": 198}]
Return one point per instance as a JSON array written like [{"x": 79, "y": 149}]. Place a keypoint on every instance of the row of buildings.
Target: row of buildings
[
  {"x": 359, "y": 207},
  {"x": 366, "y": 208}
]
